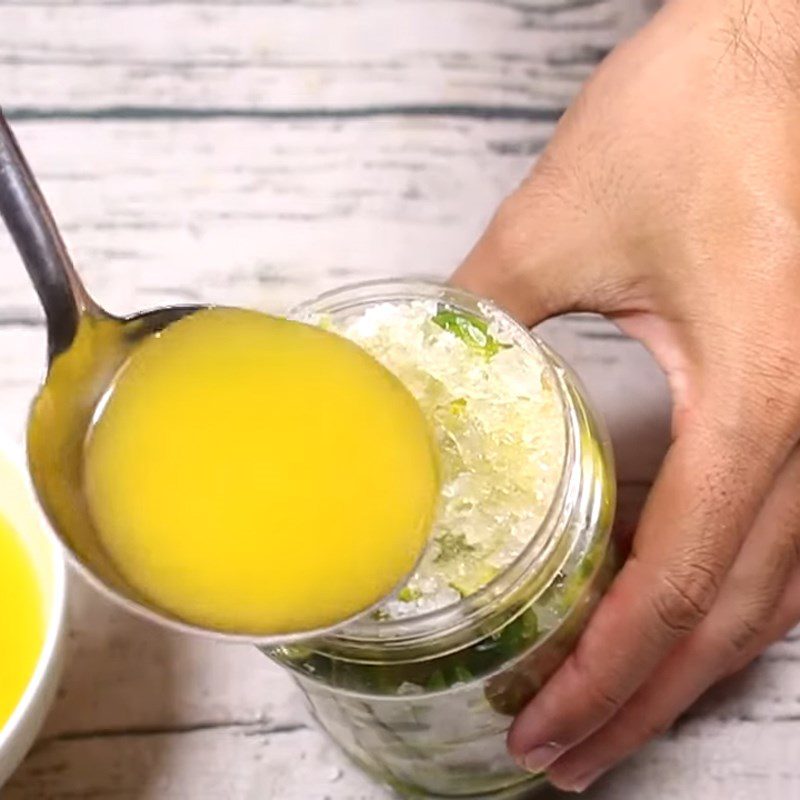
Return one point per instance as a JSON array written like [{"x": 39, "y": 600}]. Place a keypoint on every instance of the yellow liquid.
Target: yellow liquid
[
  {"x": 21, "y": 620},
  {"x": 257, "y": 475}
]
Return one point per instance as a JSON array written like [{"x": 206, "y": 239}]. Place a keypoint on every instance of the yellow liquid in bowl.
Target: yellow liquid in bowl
[
  {"x": 256, "y": 475},
  {"x": 22, "y": 620}
]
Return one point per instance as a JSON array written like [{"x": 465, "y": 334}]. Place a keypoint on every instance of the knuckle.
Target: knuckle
[
  {"x": 758, "y": 596},
  {"x": 655, "y": 729},
  {"x": 732, "y": 641},
  {"x": 683, "y": 598},
  {"x": 793, "y": 542},
  {"x": 783, "y": 557},
  {"x": 787, "y": 540},
  {"x": 640, "y": 722},
  {"x": 744, "y": 630},
  {"x": 605, "y": 699}
]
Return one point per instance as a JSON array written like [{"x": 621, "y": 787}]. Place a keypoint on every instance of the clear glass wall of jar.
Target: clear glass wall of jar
[{"x": 424, "y": 704}]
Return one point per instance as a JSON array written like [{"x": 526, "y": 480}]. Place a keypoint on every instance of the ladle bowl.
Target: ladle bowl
[{"x": 87, "y": 347}]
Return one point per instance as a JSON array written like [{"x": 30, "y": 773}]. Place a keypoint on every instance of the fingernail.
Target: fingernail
[
  {"x": 577, "y": 785},
  {"x": 540, "y": 758}
]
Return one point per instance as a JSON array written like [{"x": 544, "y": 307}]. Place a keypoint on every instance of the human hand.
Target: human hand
[{"x": 669, "y": 200}]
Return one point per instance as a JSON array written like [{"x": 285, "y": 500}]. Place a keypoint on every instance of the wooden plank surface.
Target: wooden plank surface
[
  {"x": 217, "y": 56},
  {"x": 257, "y": 153}
]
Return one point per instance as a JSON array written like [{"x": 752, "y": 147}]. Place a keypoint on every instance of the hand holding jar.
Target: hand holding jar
[{"x": 668, "y": 200}]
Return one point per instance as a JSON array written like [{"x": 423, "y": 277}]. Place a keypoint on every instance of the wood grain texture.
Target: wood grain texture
[
  {"x": 257, "y": 153},
  {"x": 251, "y": 58},
  {"x": 147, "y": 715}
]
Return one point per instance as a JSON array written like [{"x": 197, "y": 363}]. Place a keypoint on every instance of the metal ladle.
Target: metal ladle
[{"x": 86, "y": 348}]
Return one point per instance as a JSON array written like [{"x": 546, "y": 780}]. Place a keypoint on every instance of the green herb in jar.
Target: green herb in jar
[
  {"x": 408, "y": 594},
  {"x": 452, "y": 546},
  {"x": 472, "y": 330}
]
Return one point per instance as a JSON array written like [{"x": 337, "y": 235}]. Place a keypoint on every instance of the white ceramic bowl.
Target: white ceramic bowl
[{"x": 18, "y": 506}]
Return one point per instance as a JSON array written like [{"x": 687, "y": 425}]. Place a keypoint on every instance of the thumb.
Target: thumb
[{"x": 545, "y": 252}]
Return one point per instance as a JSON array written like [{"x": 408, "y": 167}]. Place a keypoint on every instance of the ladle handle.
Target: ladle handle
[{"x": 34, "y": 231}]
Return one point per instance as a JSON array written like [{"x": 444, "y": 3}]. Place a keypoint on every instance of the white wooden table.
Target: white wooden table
[{"x": 256, "y": 153}]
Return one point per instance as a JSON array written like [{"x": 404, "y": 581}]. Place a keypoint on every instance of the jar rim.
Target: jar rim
[{"x": 464, "y": 613}]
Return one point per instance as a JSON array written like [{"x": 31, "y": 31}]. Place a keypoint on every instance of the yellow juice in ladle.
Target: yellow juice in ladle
[
  {"x": 22, "y": 620},
  {"x": 256, "y": 475}
]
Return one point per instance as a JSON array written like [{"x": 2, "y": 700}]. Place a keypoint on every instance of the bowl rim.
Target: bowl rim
[{"x": 56, "y": 610}]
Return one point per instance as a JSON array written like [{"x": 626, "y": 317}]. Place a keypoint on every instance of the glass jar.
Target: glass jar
[{"x": 424, "y": 704}]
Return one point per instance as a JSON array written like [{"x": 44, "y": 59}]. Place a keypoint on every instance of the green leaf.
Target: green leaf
[
  {"x": 471, "y": 329},
  {"x": 530, "y": 625},
  {"x": 462, "y": 674},
  {"x": 519, "y": 633},
  {"x": 436, "y": 682},
  {"x": 409, "y": 595},
  {"x": 457, "y": 406},
  {"x": 451, "y": 546},
  {"x": 476, "y": 578}
]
